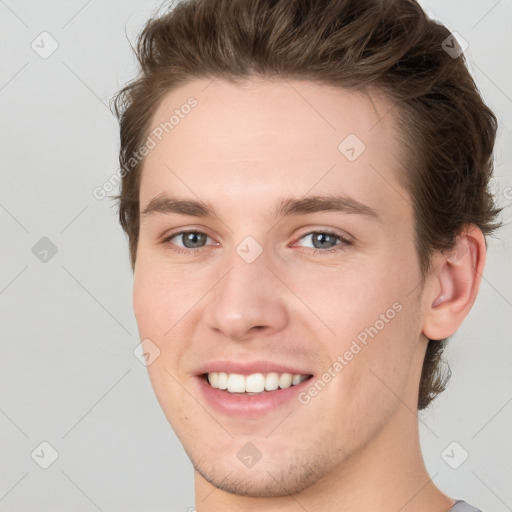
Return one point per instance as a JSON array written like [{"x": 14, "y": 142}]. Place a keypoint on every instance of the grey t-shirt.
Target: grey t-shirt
[{"x": 462, "y": 506}]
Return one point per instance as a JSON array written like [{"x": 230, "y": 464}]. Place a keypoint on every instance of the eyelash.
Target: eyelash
[{"x": 323, "y": 252}]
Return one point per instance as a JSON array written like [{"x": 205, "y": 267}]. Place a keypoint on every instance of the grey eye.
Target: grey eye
[
  {"x": 191, "y": 239},
  {"x": 321, "y": 240}
]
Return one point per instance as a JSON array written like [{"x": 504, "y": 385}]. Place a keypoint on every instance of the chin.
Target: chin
[{"x": 266, "y": 478}]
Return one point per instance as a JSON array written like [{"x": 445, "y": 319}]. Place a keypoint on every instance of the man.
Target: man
[{"x": 305, "y": 192}]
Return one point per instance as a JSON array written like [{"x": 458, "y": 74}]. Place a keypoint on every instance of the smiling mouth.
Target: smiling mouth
[{"x": 253, "y": 384}]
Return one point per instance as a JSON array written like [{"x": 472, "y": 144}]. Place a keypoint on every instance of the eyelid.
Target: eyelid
[
  {"x": 327, "y": 230},
  {"x": 188, "y": 229}
]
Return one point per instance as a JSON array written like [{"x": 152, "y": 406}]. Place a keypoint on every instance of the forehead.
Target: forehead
[{"x": 259, "y": 138}]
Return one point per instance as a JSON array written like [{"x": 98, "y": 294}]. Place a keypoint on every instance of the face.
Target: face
[{"x": 276, "y": 258}]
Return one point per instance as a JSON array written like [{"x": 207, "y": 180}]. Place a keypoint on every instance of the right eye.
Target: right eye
[{"x": 187, "y": 242}]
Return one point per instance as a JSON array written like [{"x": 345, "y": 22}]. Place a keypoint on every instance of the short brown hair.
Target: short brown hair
[{"x": 390, "y": 46}]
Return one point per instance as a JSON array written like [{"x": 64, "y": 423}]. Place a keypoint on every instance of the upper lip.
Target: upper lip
[{"x": 250, "y": 367}]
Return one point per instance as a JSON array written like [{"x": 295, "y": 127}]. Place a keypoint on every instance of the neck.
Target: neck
[{"x": 388, "y": 474}]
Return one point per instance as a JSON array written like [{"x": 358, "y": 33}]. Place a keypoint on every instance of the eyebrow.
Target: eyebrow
[{"x": 164, "y": 204}]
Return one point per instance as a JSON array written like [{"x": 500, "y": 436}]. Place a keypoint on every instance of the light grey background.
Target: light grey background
[{"x": 68, "y": 374}]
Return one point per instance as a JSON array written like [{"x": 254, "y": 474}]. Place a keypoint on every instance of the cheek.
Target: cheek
[
  {"x": 149, "y": 302},
  {"x": 373, "y": 331},
  {"x": 166, "y": 302},
  {"x": 378, "y": 370},
  {"x": 158, "y": 308},
  {"x": 349, "y": 300},
  {"x": 163, "y": 295}
]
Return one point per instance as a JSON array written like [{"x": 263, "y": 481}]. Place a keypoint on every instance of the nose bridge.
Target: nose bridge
[{"x": 246, "y": 297}]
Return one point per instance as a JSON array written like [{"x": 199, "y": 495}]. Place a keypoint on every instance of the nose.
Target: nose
[{"x": 248, "y": 302}]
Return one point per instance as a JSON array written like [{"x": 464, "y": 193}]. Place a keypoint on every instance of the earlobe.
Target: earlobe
[{"x": 453, "y": 284}]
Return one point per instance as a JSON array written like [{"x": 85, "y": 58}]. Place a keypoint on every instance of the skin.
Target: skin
[{"x": 355, "y": 445}]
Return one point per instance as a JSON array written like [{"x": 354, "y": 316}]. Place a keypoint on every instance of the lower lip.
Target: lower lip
[{"x": 244, "y": 405}]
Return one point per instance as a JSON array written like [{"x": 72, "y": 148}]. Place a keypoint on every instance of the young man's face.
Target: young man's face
[{"x": 266, "y": 292}]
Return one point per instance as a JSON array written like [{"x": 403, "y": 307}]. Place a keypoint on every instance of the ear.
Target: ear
[{"x": 452, "y": 286}]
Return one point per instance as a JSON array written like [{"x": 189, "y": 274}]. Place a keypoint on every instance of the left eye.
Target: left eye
[{"x": 324, "y": 240}]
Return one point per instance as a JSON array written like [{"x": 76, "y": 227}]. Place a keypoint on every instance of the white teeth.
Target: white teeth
[
  {"x": 213, "y": 379},
  {"x": 236, "y": 383},
  {"x": 296, "y": 379},
  {"x": 254, "y": 383},
  {"x": 285, "y": 380},
  {"x": 223, "y": 380},
  {"x": 271, "y": 381}
]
